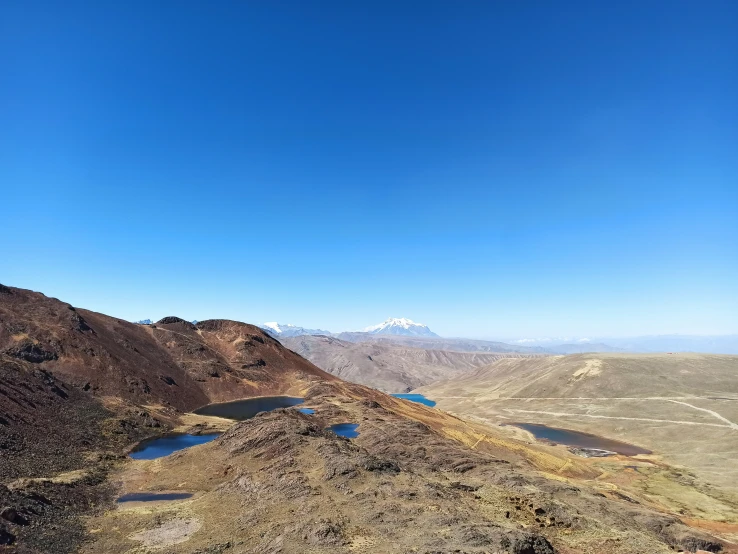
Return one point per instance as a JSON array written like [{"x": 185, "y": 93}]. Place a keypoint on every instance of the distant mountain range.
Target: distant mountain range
[
  {"x": 409, "y": 333},
  {"x": 398, "y": 326},
  {"x": 385, "y": 363},
  {"x": 707, "y": 344},
  {"x": 283, "y": 330},
  {"x": 581, "y": 347},
  {"x": 440, "y": 343}
]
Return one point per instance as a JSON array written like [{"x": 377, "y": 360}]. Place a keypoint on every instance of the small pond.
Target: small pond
[
  {"x": 577, "y": 439},
  {"x": 308, "y": 411},
  {"x": 248, "y": 407},
  {"x": 153, "y": 496},
  {"x": 163, "y": 446},
  {"x": 419, "y": 398},
  {"x": 347, "y": 430}
]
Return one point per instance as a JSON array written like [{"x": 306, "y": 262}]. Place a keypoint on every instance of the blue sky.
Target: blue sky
[{"x": 491, "y": 169}]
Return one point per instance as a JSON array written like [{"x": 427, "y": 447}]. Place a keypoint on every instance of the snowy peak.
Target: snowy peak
[
  {"x": 393, "y": 326},
  {"x": 400, "y": 326},
  {"x": 273, "y": 326},
  {"x": 288, "y": 330}
]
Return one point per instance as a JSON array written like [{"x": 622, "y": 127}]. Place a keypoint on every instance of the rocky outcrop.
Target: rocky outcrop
[
  {"x": 43, "y": 515},
  {"x": 48, "y": 426},
  {"x": 30, "y": 352},
  {"x": 173, "y": 322}
]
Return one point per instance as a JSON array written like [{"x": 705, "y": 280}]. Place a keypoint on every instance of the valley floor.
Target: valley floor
[{"x": 693, "y": 471}]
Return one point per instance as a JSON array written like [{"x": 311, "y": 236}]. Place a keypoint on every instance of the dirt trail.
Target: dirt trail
[
  {"x": 667, "y": 398},
  {"x": 565, "y": 414},
  {"x": 712, "y": 413}
]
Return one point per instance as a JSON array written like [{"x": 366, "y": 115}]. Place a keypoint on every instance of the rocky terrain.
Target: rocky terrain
[
  {"x": 78, "y": 390},
  {"x": 409, "y": 483},
  {"x": 386, "y": 366}
]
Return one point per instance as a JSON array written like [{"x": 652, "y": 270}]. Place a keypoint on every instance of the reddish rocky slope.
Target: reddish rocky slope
[{"x": 172, "y": 362}]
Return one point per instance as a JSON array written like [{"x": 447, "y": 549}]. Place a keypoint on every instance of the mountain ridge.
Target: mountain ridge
[
  {"x": 386, "y": 365},
  {"x": 172, "y": 361},
  {"x": 278, "y": 330}
]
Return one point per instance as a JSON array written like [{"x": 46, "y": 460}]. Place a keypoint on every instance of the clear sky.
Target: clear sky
[{"x": 491, "y": 169}]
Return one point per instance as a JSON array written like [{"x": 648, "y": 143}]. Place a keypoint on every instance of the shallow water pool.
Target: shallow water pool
[
  {"x": 151, "y": 449},
  {"x": 419, "y": 398},
  {"x": 347, "y": 430},
  {"x": 581, "y": 440},
  {"x": 153, "y": 496},
  {"x": 248, "y": 407}
]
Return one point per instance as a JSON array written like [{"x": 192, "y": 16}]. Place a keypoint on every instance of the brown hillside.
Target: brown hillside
[
  {"x": 387, "y": 366},
  {"x": 173, "y": 362}
]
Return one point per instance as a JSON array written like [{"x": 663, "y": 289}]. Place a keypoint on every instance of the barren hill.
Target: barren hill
[
  {"x": 387, "y": 366},
  {"x": 603, "y": 375},
  {"x": 683, "y": 406},
  {"x": 172, "y": 362},
  {"x": 440, "y": 343}
]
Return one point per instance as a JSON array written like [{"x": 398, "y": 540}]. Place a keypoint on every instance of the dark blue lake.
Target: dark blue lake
[
  {"x": 308, "y": 411},
  {"x": 581, "y": 440},
  {"x": 163, "y": 446},
  {"x": 248, "y": 407},
  {"x": 153, "y": 496},
  {"x": 419, "y": 398},
  {"x": 347, "y": 430}
]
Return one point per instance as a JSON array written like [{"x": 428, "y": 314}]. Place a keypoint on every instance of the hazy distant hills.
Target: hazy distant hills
[
  {"x": 582, "y": 347},
  {"x": 440, "y": 343},
  {"x": 386, "y": 364},
  {"x": 707, "y": 344},
  {"x": 716, "y": 344}
]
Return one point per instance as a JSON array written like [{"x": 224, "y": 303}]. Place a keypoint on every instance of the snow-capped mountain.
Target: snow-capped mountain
[
  {"x": 400, "y": 326},
  {"x": 288, "y": 330}
]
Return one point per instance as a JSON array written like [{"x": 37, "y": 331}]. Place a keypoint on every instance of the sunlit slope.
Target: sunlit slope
[
  {"x": 387, "y": 366},
  {"x": 683, "y": 407},
  {"x": 607, "y": 375}
]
